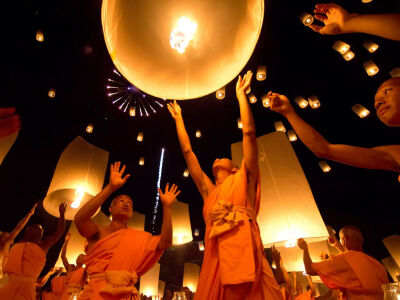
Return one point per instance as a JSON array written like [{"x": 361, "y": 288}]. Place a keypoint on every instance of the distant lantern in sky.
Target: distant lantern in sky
[
  {"x": 198, "y": 133},
  {"x": 220, "y": 94},
  {"x": 201, "y": 246},
  {"x": 392, "y": 268},
  {"x": 324, "y": 166},
  {"x": 186, "y": 173},
  {"x": 360, "y": 110},
  {"x": 371, "y": 68},
  {"x": 191, "y": 274},
  {"x": 279, "y": 126},
  {"x": 252, "y": 98},
  {"x": 149, "y": 282},
  {"x": 181, "y": 223},
  {"x": 341, "y": 47},
  {"x": 314, "y": 102},
  {"x": 89, "y": 128},
  {"x": 140, "y": 137},
  {"x": 292, "y": 135},
  {"x": 306, "y": 18},
  {"x": 141, "y": 161},
  {"x": 349, "y": 55},
  {"x": 395, "y": 72},
  {"x": 196, "y": 232},
  {"x": 239, "y": 123},
  {"x": 132, "y": 111},
  {"x": 392, "y": 244},
  {"x": 366, "y": 1},
  {"x": 265, "y": 101},
  {"x": 51, "y": 93},
  {"x": 301, "y": 102},
  {"x": 371, "y": 46},
  {"x": 261, "y": 73},
  {"x": 39, "y": 36}
]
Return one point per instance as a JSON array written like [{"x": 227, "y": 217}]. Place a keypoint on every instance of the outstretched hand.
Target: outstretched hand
[
  {"x": 62, "y": 208},
  {"x": 276, "y": 255},
  {"x": 333, "y": 16},
  {"x": 116, "y": 179},
  {"x": 280, "y": 103},
  {"x": 175, "y": 110},
  {"x": 302, "y": 244},
  {"x": 32, "y": 211},
  {"x": 170, "y": 194},
  {"x": 9, "y": 122},
  {"x": 242, "y": 85}
]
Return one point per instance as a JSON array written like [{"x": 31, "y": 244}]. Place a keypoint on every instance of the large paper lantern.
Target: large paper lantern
[
  {"x": 392, "y": 268},
  {"x": 79, "y": 175},
  {"x": 161, "y": 289},
  {"x": 149, "y": 281},
  {"x": 392, "y": 243},
  {"x": 6, "y": 144},
  {"x": 181, "y": 49},
  {"x": 191, "y": 274},
  {"x": 288, "y": 210},
  {"x": 181, "y": 223}
]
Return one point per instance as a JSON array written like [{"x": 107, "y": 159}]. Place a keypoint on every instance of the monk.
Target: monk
[
  {"x": 27, "y": 258},
  {"x": 281, "y": 275},
  {"x": 118, "y": 255},
  {"x": 309, "y": 294},
  {"x": 338, "y": 21},
  {"x": 353, "y": 272},
  {"x": 9, "y": 121},
  {"x": 387, "y": 105},
  {"x": 234, "y": 265}
]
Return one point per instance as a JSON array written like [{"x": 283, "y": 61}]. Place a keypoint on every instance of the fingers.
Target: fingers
[
  {"x": 123, "y": 169},
  {"x": 176, "y": 195},
  {"x": 126, "y": 177},
  {"x": 174, "y": 187},
  {"x": 170, "y": 109},
  {"x": 5, "y": 112},
  {"x": 160, "y": 192},
  {"x": 316, "y": 28},
  {"x": 167, "y": 188},
  {"x": 321, "y": 18}
]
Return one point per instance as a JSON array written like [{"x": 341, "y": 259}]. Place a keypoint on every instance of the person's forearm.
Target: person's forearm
[
  {"x": 183, "y": 137},
  {"x": 90, "y": 208},
  {"x": 64, "y": 255},
  {"x": 246, "y": 115},
  {"x": 383, "y": 25},
  {"x": 286, "y": 277},
  {"x": 61, "y": 226},
  {"x": 20, "y": 226},
  {"x": 166, "y": 230},
  {"x": 308, "y": 263}
]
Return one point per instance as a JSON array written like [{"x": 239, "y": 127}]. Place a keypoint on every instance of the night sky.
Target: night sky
[{"x": 73, "y": 60}]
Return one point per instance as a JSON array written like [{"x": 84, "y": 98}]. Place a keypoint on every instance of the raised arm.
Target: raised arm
[
  {"x": 167, "y": 199},
  {"x": 250, "y": 149},
  {"x": 380, "y": 158},
  {"x": 64, "y": 259},
  {"x": 306, "y": 257},
  {"x": 203, "y": 183},
  {"x": 333, "y": 240},
  {"x": 53, "y": 238},
  {"x": 22, "y": 224},
  {"x": 86, "y": 227},
  {"x": 282, "y": 274},
  {"x": 338, "y": 21}
]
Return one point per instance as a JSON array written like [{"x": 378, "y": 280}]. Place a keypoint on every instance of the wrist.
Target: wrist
[
  {"x": 110, "y": 188},
  {"x": 166, "y": 206},
  {"x": 348, "y": 23}
]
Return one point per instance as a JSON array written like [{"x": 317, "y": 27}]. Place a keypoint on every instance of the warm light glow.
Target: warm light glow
[
  {"x": 324, "y": 166},
  {"x": 341, "y": 47},
  {"x": 39, "y": 36},
  {"x": 196, "y": 232},
  {"x": 191, "y": 274},
  {"x": 140, "y": 137},
  {"x": 239, "y": 123},
  {"x": 261, "y": 73},
  {"x": 79, "y": 193},
  {"x": 371, "y": 46},
  {"x": 360, "y": 110},
  {"x": 371, "y": 68},
  {"x": 89, "y": 128},
  {"x": 314, "y": 102},
  {"x": 198, "y": 133},
  {"x": 132, "y": 111},
  {"x": 366, "y": 1},
  {"x": 265, "y": 101},
  {"x": 306, "y": 18},
  {"x": 392, "y": 268},
  {"x": 181, "y": 223},
  {"x": 252, "y": 99},
  {"x": 182, "y": 34},
  {"x": 201, "y": 246},
  {"x": 220, "y": 94},
  {"x": 292, "y": 135},
  {"x": 52, "y": 93},
  {"x": 290, "y": 243},
  {"x": 301, "y": 102},
  {"x": 149, "y": 282},
  {"x": 395, "y": 72},
  {"x": 186, "y": 173},
  {"x": 392, "y": 244},
  {"x": 349, "y": 55},
  {"x": 141, "y": 161},
  {"x": 279, "y": 126}
]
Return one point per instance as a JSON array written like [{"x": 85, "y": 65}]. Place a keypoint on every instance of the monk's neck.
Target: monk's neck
[
  {"x": 221, "y": 176},
  {"x": 117, "y": 224}
]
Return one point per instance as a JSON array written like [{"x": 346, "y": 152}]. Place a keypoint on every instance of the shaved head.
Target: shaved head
[
  {"x": 387, "y": 102},
  {"x": 351, "y": 238},
  {"x": 120, "y": 197}
]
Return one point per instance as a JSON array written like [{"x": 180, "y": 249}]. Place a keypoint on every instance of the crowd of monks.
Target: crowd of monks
[{"x": 235, "y": 264}]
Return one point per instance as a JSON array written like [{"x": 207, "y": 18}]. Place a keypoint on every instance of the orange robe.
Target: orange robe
[
  {"x": 116, "y": 261},
  {"x": 25, "y": 262},
  {"x": 58, "y": 286},
  {"x": 356, "y": 274},
  {"x": 234, "y": 253},
  {"x": 305, "y": 296},
  {"x": 74, "y": 282}
]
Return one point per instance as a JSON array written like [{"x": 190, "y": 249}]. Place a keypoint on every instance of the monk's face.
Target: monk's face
[
  {"x": 122, "y": 206},
  {"x": 80, "y": 260},
  {"x": 387, "y": 102}
]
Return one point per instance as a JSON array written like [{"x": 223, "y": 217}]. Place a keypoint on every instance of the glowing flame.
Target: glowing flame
[
  {"x": 79, "y": 193},
  {"x": 182, "y": 34},
  {"x": 290, "y": 243}
]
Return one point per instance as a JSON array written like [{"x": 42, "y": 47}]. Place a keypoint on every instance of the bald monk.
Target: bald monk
[
  {"x": 337, "y": 20},
  {"x": 118, "y": 255},
  {"x": 387, "y": 105},
  {"x": 356, "y": 274},
  {"x": 234, "y": 265},
  {"x": 309, "y": 294},
  {"x": 27, "y": 258}
]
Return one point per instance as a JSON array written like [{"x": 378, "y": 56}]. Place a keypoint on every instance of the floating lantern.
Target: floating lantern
[
  {"x": 198, "y": 133},
  {"x": 191, "y": 274},
  {"x": 360, "y": 110},
  {"x": 392, "y": 268},
  {"x": 392, "y": 243},
  {"x": 314, "y": 102},
  {"x": 252, "y": 98},
  {"x": 39, "y": 36},
  {"x": 306, "y": 18},
  {"x": 395, "y": 72},
  {"x": 6, "y": 144},
  {"x": 266, "y": 101},
  {"x": 201, "y": 246},
  {"x": 292, "y": 135},
  {"x": 349, "y": 55},
  {"x": 371, "y": 68},
  {"x": 140, "y": 137},
  {"x": 193, "y": 42},
  {"x": 149, "y": 281},
  {"x": 341, "y": 47},
  {"x": 196, "y": 232},
  {"x": 51, "y": 93},
  {"x": 261, "y": 73},
  {"x": 239, "y": 123},
  {"x": 366, "y": 1},
  {"x": 301, "y": 102},
  {"x": 279, "y": 126},
  {"x": 89, "y": 128},
  {"x": 220, "y": 94},
  {"x": 181, "y": 223},
  {"x": 141, "y": 161},
  {"x": 324, "y": 166},
  {"x": 371, "y": 46},
  {"x": 186, "y": 173},
  {"x": 78, "y": 177},
  {"x": 161, "y": 289},
  {"x": 132, "y": 111}
]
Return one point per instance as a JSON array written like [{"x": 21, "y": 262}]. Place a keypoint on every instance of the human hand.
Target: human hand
[
  {"x": 116, "y": 179},
  {"x": 280, "y": 103},
  {"x": 302, "y": 244},
  {"x": 32, "y": 211},
  {"x": 62, "y": 208},
  {"x": 9, "y": 121},
  {"x": 276, "y": 255},
  {"x": 175, "y": 110},
  {"x": 170, "y": 194},
  {"x": 242, "y": 85},
  {"x": 333, "y": 16}
]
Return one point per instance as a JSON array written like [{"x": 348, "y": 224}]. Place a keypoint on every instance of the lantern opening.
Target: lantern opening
[{"x": 182, "y": 34}]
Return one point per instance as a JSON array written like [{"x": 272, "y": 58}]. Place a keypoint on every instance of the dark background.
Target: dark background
[{"x": 73, "y": 60}]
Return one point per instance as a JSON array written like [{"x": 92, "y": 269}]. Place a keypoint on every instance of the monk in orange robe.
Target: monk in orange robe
[
  {"x": 116, "y": 255},
  {"x": 234, "y": 265},
  {"x": 356, "y": 274},
  {"x": 26, "y": 260}
]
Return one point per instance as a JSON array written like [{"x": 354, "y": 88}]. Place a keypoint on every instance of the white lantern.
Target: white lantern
[
  {"x": 191, "y": 274},
  {"x": 306, "y": 18},
  {"x": 341, "y": 47},
  {"x": 371, "y": 68},
  {"x": 266, "y": 101},
  {"x": 360, "y": 110},
  {"x": 78, "y": 177},
  {"x": 201, "y": 246},
  {"x": 220, "y": 94},
  {"x": 186, "y": 173},
  {"x": 51, "y": 93},
  {"x": 261, "y": 73},
  {"x": 349, "y": 55},
  {"x": 392, "y": 268},
  {"x": 292, "y": 135},
  {"x": 161, "y": 289},
  {"x": 89, "y": 128},
  {"x": 392, "y": 243},
  {"x": 252, "y": 99},
  {"x": 137, "y": 221},
  {"x": 395, "y": 72},
  {"x": 324, "y": 166},
  {"x": 198, "y": 133},
  {"x": 140, "y": 137},
  {"x": 141, "y": 161},
  {"x": 6, "y": 144},
  {"x": 314, "y": 102},
  {"x": 196, "y": 232},
  {"x": 279, "y": 126},
  {"x": 371, "y": 46},
  {"x": 287, "y": 209},
  {"x": 39, "y": 36},
  {"x": 239, "y": 123},
  {"x": 301, "y": 102},
  {"x": 181, "y": 223},
  {"x": 132, "y": 111},
  {"x": 149, "y": 281}
]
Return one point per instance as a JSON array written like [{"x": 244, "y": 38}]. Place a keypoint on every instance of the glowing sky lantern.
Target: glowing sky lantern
[
  {"x": 261, "y": 73},
  {"x": 220, "y": 94},
  {"x": 291, "y": 135},
  {"x": 89, "y": 128},
  {"x": 341, "y": 47},
  {"x": 149, "y": 281},
  {"x": 324, "y": 166},
  {"x": 140, "y": 137},
  {"x": 252, "y": 98},
  {"x": 239, "y": 123},
  {"x": 161, "y": 289},
  {"x": 371, "y": 68},
  {"x": 194, "y": 42},
  {"x": 39, "y": 36},
  {"x": 392, "y": 243},
  {"x": 395, "y": 72},
  {"x": 132, "y": 112},
  {"x": 314, "y": 102},
  {"x": 6, "y": 144},
  {"x": 181, "y": 223},
  {"x": 186, "y": 173},
  {"x": 141, "y": 161},
  {"x": 392, "y": 268},
  {"x": 191, "y": 274},
  {"x": 360, "y": 110},
  {"x": 198, "y": 133},
  {"x": 78, "y": 177},
  {"x": 265, "y": 101},
  {"x": 301, "y": 102},
  {"x": 371, "y": 46},
  {"x": 51, "y": 93},
  {"x": 201, "y": 246},
  {"x": 306, "y": 18},
  {"x": 279, "y": 126},
  {"x": 349, "y": 55}
]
